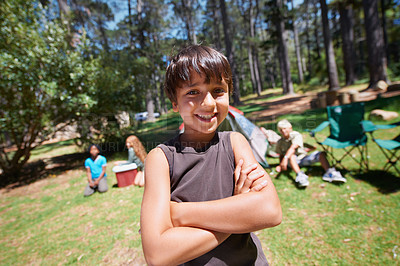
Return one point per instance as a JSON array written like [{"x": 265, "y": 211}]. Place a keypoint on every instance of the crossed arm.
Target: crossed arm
[{"x": 173, "y": 233}]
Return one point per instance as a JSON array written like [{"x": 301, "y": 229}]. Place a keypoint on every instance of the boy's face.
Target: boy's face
[
  {"x": 94, "y": 151},
  {"x": 202, "y": 106},
  {"x": 285, "y": 132}
]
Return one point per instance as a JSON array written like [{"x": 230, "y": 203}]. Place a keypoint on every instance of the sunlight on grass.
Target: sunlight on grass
[{"x": 50, "y": 222}]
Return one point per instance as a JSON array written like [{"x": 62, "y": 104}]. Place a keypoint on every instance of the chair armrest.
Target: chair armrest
[
  {"x": 318, "y": 128},
  {"x": 369, "y": 126}
]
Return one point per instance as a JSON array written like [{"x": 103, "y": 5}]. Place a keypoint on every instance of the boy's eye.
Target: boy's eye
[
  {"x": 219, "y": 90},
  {"x": 193, "y": 92}
]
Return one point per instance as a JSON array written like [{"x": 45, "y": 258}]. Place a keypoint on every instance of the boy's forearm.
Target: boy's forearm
[
  {"x": 237, "y": 214},
  {"x": 181, "y": 244}
]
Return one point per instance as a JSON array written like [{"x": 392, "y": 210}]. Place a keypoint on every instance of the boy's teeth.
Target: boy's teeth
[{"x": 206, "y": 116}]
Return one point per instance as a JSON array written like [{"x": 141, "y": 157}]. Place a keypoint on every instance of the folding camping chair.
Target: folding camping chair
[
  {"x": 389, "y": 147},
  {"x": 346, "y": 133}
]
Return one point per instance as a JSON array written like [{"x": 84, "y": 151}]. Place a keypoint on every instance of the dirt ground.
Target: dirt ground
[{"x": 298, "y": 103}]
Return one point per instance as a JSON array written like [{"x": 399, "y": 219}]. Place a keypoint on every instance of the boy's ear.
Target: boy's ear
[{"x": 175, "y": 107}]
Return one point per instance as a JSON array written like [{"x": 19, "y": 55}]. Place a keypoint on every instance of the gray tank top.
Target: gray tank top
[{"x": 206, "y": 174}]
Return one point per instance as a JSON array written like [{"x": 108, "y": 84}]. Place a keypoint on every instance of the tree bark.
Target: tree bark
[
  {"x": 216, "y": 33},
  {"x": 130, "y": 23},
  {"x": 308, "y": 39},
  {"x": 346, "y": 28},
  {"x": 375, "y": 44},
  {"x": 316, "y": 30},
  {"x": 297, "y": 46},
  {"x": 229, "y": 52},
  {"x": 384, "y": 28},
  {"x": 330, "y": 54},
  {"x": 284, "y": 62}
]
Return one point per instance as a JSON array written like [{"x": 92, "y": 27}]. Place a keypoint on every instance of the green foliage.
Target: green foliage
[{"x": 44, "y": 80}]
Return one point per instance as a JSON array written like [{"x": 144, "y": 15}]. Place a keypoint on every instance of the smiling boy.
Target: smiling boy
[{"x": 205, "y": 192}]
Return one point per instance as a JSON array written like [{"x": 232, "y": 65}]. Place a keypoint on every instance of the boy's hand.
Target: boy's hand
[{"x": 248, "y": 178}]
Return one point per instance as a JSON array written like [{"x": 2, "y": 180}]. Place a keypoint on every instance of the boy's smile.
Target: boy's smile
[{"x": 202, "y": 106}]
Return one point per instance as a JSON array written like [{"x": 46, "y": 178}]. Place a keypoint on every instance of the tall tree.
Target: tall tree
[
  {"x": 45, "y": 84},
  {"x": 329, "y": 52},
  {"x": 229, "y": 51},
  {"x": 346, "y": 28},
  {"x": 297, "y": 44},
  {"x": 249, "y": 12},
  {"x": 216, "y": 36},
  {"x": 316, "y": 28},
  {"x": 308, "y": 37},
  {"x": 375, "y": 43},
  {"x": 284, "y": 61},
  {"x": 185, "y": 10}
]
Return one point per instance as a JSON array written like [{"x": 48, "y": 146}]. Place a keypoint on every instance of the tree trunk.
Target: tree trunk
[
  {"x": 130, "y": 23},
  {"x": 283, "y": 51},
  {"x": 346, "y": 25},
  {"x": 359, "y": 42},
  {"x": 229, "y": 52},
  {"x": 384, "y": 28},
  {"x": 308, "y": 41},
  {"x": 316, "y": 30},
  {"x": 253, "y": 18},
  {"x": 257, "y": 72},
  {"x": 375, "y": 43},
  {"x": 297, "y": 48},
  {"x": 150, "y": 105},
  {"x": 216, "y": 33},
  {"x": 251, "y": 66},
  {"x": 330, "y": 54}
]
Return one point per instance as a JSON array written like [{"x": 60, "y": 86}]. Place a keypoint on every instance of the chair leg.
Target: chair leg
[{"x": 392, "y": 160}]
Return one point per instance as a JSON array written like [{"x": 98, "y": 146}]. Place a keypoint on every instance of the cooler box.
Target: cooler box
[{"x": 125, "y": 174}]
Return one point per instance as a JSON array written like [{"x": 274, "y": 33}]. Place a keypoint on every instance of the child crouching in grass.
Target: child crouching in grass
[{"x": 205, "y": 192}]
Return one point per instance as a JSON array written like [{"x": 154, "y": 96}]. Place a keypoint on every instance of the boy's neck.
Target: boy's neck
[{"x": 196, "y": 140}]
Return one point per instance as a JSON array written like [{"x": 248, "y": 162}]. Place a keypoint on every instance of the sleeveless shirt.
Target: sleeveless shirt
[{"x": 206, "y": 174}]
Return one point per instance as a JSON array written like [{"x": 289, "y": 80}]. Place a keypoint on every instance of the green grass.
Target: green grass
[{"x": 49, "y": 221}]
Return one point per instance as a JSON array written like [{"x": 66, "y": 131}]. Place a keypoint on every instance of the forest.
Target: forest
[{"x": 85, "y": 62}]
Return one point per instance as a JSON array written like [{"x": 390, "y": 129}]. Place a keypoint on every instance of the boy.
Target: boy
[
  {"x": 95, "y": 171},
  {"x": 292, "y": 153},
  {"x": 205, "y": 191}
]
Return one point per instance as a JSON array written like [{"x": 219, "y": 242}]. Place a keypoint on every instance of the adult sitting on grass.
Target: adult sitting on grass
[
  {"x": 136, "y": 154},
  {"x": 95, "y": 171},
  {"x": 291, "y": 152}
]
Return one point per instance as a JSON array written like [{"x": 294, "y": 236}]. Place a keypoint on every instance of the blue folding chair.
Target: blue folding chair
[
  {"x": 389, "y": 147},
  {"x": 346, "y": 133}
]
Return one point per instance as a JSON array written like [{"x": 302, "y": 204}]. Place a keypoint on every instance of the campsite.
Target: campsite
[
  {"x": 47, "y": 220},
  {"x": 88, "y": 89}
]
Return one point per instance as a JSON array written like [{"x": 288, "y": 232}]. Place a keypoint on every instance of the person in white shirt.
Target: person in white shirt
[{"x": 292, "y": 153}]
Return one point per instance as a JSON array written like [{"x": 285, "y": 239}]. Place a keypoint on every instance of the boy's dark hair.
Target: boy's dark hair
[{"x": 203, "y": 60}]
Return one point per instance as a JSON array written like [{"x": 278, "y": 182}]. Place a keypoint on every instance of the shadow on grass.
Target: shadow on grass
[
  {"x": 386, "y": 183},
  {"x": 41, "y": 169}
]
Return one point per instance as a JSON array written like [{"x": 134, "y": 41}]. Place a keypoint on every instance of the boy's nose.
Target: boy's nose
[{"x": 209, "y": 100}]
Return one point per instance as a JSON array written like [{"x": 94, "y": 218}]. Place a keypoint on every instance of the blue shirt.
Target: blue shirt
[{"x": 96, "y": 166}]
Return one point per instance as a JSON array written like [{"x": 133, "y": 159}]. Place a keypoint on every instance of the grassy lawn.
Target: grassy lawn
[{"x": 357, "y": 223}]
